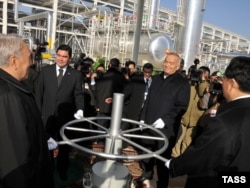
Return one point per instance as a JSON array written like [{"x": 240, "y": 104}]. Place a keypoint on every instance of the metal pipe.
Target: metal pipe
[
  {"x": 122, "y": 8},
  {"x": 113, "y": 144},
  {"x": 154, "y": 11},
  {"x": 16, "y": 19},
  {"x": 231, "y": 55},
  {"x": 49, "y": 26},
  {"x": 20, "y": 28},
  {"x": 140, "y": 5},
  {"x": 32, "y": 17},
  {"x": 4, "y": 15},
  {"x": 54, "y": 23},
  {"x": 192, "y": 31},
  {"x": 116, "y": 115},
  {"x": 16, "y": 4}
]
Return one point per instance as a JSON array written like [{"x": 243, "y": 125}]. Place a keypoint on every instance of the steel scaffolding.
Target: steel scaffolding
[{"x": 106, "y": 28}]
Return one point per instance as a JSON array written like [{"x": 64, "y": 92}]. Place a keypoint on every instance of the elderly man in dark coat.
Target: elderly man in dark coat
[
  {"x": 166, "y": 102},
  {"x": 24, "y": 160}
]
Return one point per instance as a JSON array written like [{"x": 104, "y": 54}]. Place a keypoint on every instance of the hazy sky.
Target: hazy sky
[{"x": 232, "y": 15}]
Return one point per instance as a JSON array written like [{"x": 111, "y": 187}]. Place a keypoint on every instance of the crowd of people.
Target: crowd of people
[{"x": 204, "y": 116}]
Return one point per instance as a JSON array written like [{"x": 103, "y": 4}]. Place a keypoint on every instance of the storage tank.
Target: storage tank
[{"x": 157, "y": 47}]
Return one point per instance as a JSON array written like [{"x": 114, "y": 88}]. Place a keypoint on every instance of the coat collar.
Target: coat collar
[
  {"x": 163, "y": 76},
  {"x": 14, "y": 82},
  {"x": 244, "y": 102}
]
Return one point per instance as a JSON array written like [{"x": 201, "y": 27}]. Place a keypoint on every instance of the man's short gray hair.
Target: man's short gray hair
[
  {"x": 176, "y": 55},
  {"x": 10, "y": 44}
]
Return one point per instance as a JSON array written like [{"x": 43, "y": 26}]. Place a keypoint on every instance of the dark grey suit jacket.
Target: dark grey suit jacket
[{"x": 58, "y": 104}]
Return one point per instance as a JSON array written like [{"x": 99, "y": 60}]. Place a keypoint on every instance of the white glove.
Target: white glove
[
  {"x": 159, "y": 124},
  {"x": 167, "y": 163},
  {"x": 141, "y": 121},
  {"x": 79, "y": 114},
  {"x": 52, "y": 144}
]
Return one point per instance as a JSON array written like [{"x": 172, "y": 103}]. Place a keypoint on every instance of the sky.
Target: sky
[{"x": 232, "y": 15}]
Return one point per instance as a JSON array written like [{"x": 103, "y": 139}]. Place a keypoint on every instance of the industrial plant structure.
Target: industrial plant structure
[{"x": 140, "y": 30}]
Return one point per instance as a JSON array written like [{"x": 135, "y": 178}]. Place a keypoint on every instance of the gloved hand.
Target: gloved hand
[
  {"x": 167, "y": 163},
  {"x": 159, "y": 124},
  {"x": 79, "y": 114},
  {"x": 52, "y": 144},
  {"x": 141, "y": 121}
]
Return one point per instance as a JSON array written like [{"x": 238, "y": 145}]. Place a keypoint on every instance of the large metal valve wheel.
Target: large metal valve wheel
[
  {"x": 122, "y": 135},
  {"x": 115, "y": 133}
]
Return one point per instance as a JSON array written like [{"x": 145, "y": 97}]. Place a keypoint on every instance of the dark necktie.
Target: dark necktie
[
  {"x": 146, "y": 85},
  {"x": 60, "y": 77},
  {"x": 146, "y": 89}
]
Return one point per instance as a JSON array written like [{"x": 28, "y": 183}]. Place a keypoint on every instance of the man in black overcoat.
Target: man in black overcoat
[
  {"x": 113, "y": 81},
  {"x": 166, "y": 102},
  {"x": 24, "y": 158}
]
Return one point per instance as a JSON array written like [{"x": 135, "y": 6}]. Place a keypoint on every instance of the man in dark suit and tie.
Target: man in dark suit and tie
[{"x": 59, "y": 95}]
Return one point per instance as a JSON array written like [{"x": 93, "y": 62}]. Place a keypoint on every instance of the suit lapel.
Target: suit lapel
[{"x": 53, "y": 74}]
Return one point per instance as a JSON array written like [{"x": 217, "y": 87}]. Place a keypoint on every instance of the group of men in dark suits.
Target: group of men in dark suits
[
  {"x": 222, "y": 149},
  {"x": 113, "y": 81},
  {"x": 136, "y": 91},
  {"x": 160, "y": 101},
  {"x": 161, "y": 106}
]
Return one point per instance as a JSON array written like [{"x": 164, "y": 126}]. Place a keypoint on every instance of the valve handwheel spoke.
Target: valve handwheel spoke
[{"x": 125, "y": 136}]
